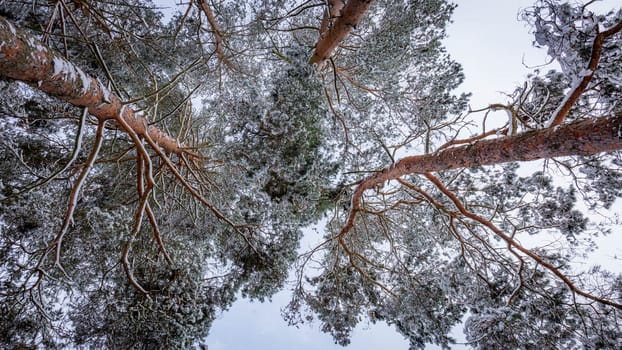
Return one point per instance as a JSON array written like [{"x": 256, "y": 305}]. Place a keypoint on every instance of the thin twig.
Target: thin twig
[
  {"x": 75, "y": 192},
  {"x": 515, "y": 244}
]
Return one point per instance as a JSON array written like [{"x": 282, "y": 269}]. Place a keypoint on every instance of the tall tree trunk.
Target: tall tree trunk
[
  {"x": 330, "y": 14},
  {"x": 24, "y": 58},
  {"x": 203, "y": 5},
  {"x": 351, "y": 15},
  {"x": 586, "y": 137}
]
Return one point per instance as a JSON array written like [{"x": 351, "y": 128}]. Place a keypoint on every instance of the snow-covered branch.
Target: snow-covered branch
[
  {"x": 581, "y": 82},
  {"x": 351, "y": 15},
  {"x": 24, "y": 58}
]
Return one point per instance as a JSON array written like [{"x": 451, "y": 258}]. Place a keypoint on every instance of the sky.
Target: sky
[{"x": 496, "y": 52}]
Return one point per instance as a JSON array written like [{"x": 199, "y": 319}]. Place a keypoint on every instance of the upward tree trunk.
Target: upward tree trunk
[
  {"x": 23, "y": 57},
  {"x": 586, "y": 137},
  {"x": 203, "y": 5},
  {"x": 351, "y": 15}
]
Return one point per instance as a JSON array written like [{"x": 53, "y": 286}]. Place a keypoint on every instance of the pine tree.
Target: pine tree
[{"x": 150, "y": 173}]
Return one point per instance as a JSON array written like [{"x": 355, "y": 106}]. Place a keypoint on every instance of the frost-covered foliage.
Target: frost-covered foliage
[
  {"x": 278, "y": 134},
  {"x": 543, "y": 320},
  {"x": 274, "y": 145},
  {"x": 567, "y": 31},
  {"x": 171, "y": 317},
  {"x": 416, "y": 260},
  {"x": 399, "y": 60},
  {"x": 85, "y": 298}
]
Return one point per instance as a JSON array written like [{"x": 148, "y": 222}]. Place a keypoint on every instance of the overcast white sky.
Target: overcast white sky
[{"x": 495, "y": 50}]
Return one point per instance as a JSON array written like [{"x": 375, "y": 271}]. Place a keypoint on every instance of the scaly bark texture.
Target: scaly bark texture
[
  {"x": 351, "y": 15},
  {"x": 333, "y": 11},
  {"x": 584, "y": 138},
  {"x": 24, "y": 58}
]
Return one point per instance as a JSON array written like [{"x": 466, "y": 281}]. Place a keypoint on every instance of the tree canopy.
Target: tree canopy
[{"x": 152, "y": 171}]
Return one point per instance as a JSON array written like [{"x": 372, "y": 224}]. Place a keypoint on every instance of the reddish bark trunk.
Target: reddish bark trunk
[
  {"x": 333, "y": 11},
  {"x": 215, "y": 28},
  {"x": 24, "y": 58},
  {"x": 351, "y": 15},
  {"x": 584, "y": 138},
  {"x": 587, "y": 137}
]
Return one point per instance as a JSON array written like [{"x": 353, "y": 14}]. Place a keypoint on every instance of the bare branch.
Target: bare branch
[
  {"x": 215, "y": 29},
  {"x": 22, "y": 57},
  {"x": 511, "y": 242},
  {"x": 501, "y": 131},
  {"x": 75, "y": 192},
  {"x": 72, "y": 157}
]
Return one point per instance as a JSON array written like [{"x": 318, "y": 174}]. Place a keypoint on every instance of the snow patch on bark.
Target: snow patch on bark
[
  {"x": 11, "y": 28},
  {"x": 104, "y": 90},
  {"x": 575, "y": 85},
  {"x": 68, "y": 71}
]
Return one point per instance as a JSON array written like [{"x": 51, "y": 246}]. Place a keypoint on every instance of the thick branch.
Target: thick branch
[
  {"x": 579, "y": 88},
  {"x": 583, "y": 138},
  {"x": 215, "y": 28},
  {"x": 24, "y": 58},
  {"x": 351, "y": 15},
  {"x": 586, "y": 137}
]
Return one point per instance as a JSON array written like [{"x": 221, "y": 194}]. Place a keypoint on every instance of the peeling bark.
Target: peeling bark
[
  {"x": 24, "y": 58},
  {"x": 351, "y": 15}
]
